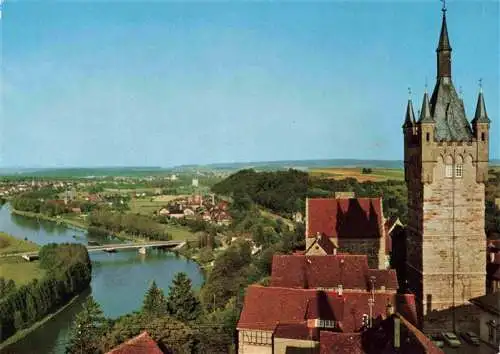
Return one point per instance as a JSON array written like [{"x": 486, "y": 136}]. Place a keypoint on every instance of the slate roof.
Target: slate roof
[
  {"x": 481, "y": 116},
  {"x": 141, "y": 344},
  {"x": 345, "y": 218},
  {"x": 265, "y": 307},
  {"x": 410, "y": 115},
  {"x": 351, "y": 271},
  {"x": 448, "y": 112},
  {"x": 447, "y": 109}
]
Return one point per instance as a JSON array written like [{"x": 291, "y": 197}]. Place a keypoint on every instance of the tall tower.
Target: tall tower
[{"x": 446, "y": 165}]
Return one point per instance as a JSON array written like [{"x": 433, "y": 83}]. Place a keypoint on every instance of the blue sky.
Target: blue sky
[{"x": 162, "y": 84}]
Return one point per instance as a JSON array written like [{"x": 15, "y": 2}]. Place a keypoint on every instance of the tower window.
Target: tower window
[
  {"x": 459, "y": 171},
  {"x": 482, "y": 136},
  {"x": 449, "y": 171},
  {"x": 427, "y": 136}
]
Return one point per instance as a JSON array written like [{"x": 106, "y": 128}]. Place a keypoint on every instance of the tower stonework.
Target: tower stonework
[{"x": 446, "y": 165}]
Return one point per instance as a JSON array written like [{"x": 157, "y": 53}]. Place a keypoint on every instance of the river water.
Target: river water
[{"x": 119, "y": 280}]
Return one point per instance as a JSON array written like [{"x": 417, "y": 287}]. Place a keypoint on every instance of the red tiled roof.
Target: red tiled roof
[
  {"x": 345, "y": 218},
  {"x": 296, "y": 331},
  {"x": 142, "y": 344},
  {"x": 340, "y": 343},
  {"x": 330, "y": 271},
  {"x": 265, "y": 307}
]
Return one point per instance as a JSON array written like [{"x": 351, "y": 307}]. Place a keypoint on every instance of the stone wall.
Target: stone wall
[{"x": 446, "y": 256}]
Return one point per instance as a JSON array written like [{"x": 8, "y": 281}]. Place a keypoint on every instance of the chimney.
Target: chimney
[
  {"x": 492, "y": 257},
  {"x": 334, "y": 251},
  {"x": 340, "y": 289},
  {"x": 318, "y": 236}
]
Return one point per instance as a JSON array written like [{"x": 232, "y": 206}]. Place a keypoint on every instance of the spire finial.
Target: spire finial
[
  {"x": 409, "y": 93},
  {"x": 444, "y": 6},
  {"x": 425, "y": 87},
  {"x": 481, "y": 85}
]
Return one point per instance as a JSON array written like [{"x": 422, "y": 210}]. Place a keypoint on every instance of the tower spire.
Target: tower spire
[
  {"x": 444, "y": 48},
  {"x": 425, "y": 112},
  {"x": 410, "y": 115},
  {"x": 481, "y": 116}
]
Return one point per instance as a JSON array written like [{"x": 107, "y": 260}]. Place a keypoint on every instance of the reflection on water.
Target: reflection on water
[{"x": 119, "y": 280}]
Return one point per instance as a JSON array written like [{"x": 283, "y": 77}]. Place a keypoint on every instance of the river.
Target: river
[{"x": 119, "y": 280}]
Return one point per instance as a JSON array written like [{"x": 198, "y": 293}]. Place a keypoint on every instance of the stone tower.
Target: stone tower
[{"x": 446, "y": 165}]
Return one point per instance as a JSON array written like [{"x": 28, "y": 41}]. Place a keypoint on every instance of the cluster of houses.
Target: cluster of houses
[
  {"x": 339, "y": 295},
  {"x": 197, "y": 207},
  {"x": 12, "y": 188}
]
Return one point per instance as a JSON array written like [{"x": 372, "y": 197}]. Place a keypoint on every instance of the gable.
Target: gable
[{"x": 344, "y": 218}]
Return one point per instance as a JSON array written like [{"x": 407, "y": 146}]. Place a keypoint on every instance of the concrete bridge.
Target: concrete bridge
[{"x": 115, "y": 247}]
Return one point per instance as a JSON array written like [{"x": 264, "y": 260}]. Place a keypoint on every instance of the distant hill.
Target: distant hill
[
  {"x": 138, "y": 171},
  {"x": 297, "y": 164}
]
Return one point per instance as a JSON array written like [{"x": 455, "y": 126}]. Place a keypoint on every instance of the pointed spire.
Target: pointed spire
[
  {"x": 425, "y": 112},
  {"x": 444, "y": 40},
  {"x": 444, "y": 48},
  {"x": 481, "y": 116},
  {"x": 410, "y": 115}
]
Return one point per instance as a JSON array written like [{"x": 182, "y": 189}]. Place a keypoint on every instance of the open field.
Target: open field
[
  {"x": 378, "y": 174},
  {"x": 149, "y": 205},
  {"x": 9, "y": 244},
  {"x": 145, "y": 206},
  {"x": 180, "y": 233},
  {"x": 19, "y": 270},
  {"x": 130, "y": 190}
]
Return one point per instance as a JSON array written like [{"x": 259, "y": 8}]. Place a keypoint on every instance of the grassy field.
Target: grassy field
[
  {"x": 147, "y": 206},
  {"x": 378, "y": 174},
  {"x": 19, "y": 270},
  {"x": 180, "y": 233},
  {"x": 9, "y": 244}
]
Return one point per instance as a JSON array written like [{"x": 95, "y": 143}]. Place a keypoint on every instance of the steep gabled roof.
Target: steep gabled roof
[
  {"x": 448, "y": 112},
  {"x": 330, "y": 271},
  {"x": 345, "y": 218},
  {"x": 140, "y": 344},
  {"x": 340, "y": 343},
  {"x": 265, "y": 307}
]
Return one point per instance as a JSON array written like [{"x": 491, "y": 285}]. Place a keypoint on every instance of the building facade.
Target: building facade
[{"x": 446, "y": 165}]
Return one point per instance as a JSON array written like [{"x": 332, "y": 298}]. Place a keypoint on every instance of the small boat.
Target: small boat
[{"x": 142, "y": 250}]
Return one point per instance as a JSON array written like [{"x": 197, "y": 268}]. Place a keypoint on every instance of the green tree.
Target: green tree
[
  {"x": 88, "y": 327},
  {"x": 154, "y": 301},
  {"x": 182, "y": 302}
]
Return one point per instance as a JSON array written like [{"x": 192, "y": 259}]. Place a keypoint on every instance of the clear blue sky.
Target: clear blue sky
[{"x": 158, "y": 83}]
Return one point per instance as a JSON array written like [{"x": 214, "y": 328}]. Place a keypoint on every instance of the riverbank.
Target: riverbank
[
  {"x": 71, "y": 224},
  {"x": 24, "y": 332},
  {"x": 9, "y": 244}
]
